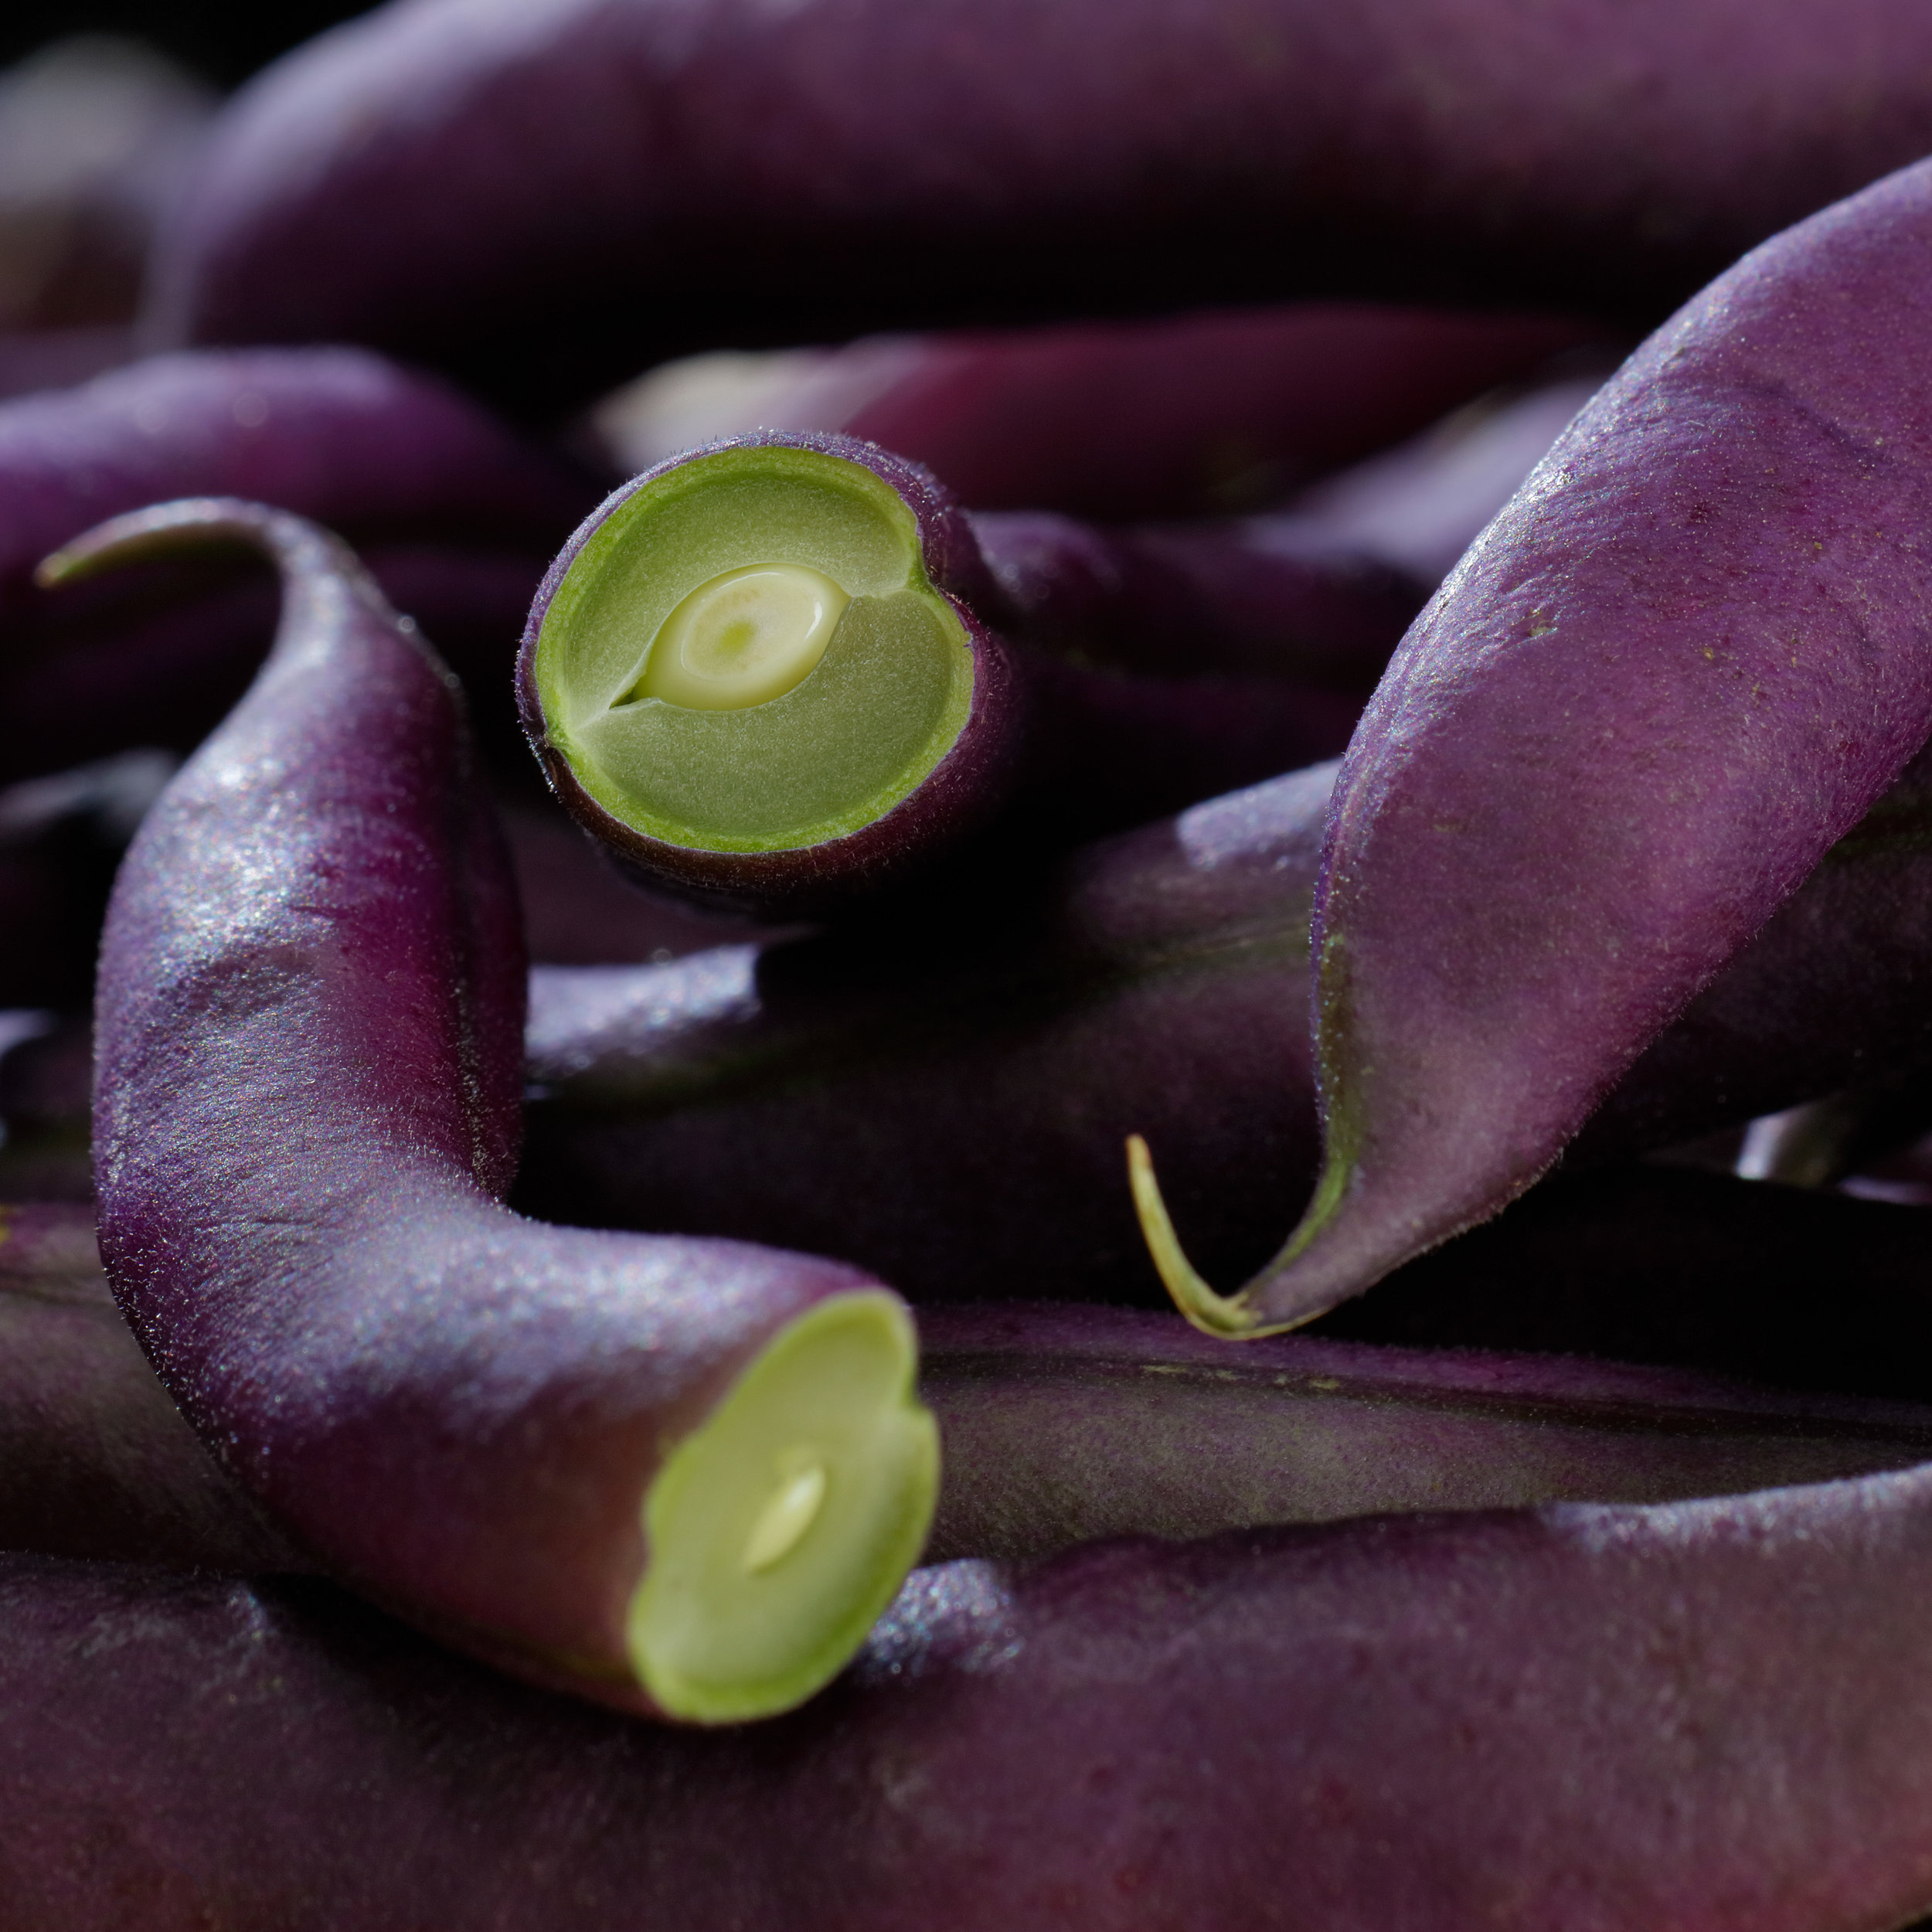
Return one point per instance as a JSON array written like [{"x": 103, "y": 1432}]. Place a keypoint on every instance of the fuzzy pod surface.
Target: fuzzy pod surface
[
  {"x": 807, "y": 174},
  {"x": 943, "y": 1093},
  {"x": 458, "y": 509},
  {"x": 1188, "y": 416},
  {"x": 1616, "y": 1717},
  {"x": 1684, "y": 661},
  {"x": 679, "y": 1475}
]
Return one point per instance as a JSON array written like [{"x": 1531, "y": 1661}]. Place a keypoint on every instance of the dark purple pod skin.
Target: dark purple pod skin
[
  {"x": 38, "y": 358},
  {"x": 165, "y": 661},
  {"x": 961, "y": 794},
  {"x": 1790, "y": 1288},
  {"x": 397, "y": 459},
  {"x": 307, "y": 1106},
  {"x": 580, "y": 910},
  {"x": 1061, "y": 1423},
  {"x": 1835, "y": 990},
  {"x": 1064, "y": 1424},
  {"x": 46, "y": 1108},
  {"x": 1703, "y": 1716},
  {"x": 1684, "y": 661},
  {"x": 1106, "y": 748},
  {"x": 402, "y": 180},
  {"x": 1188, "y": 416},
  {"x": 1270, "y": 596},
  {"x": 950, "y": 1083},
  {"x": 944, "y": 1098},
  {"x": 95, "y": 1460}
]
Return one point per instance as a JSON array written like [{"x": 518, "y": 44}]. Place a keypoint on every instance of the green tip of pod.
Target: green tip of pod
[{"x": 1229, "y": 1318}]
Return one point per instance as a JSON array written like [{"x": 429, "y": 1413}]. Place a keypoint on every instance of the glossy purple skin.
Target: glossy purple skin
[
  {"x": 944, "y": 1098},
  {"x": 307, "y": 1105},
  {"x": 1686, "y": 658},
  {"x": 1705, "y": 1716},
  {"x": 462, "y": 510},
  {"x": 955, "y": 799},
  {"x": 436, "y": 177}
]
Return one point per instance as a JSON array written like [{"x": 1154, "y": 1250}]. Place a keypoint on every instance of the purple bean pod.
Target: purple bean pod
[
  {"x": 1053, "y": 744},
  {"x": 868, "y": 1092},
  {"x": 434, "y": 178},
  {"x": 458, "y": 510},
  {"x": 1685, "y": 660},
  {"x": 1700, "y": 1716},
  {"x": 1060, "y": 1424},
  {"x": 955, "y": 798},
  {"x": 307, "y": 1106},
  {"x": 1188, "y": 416}
]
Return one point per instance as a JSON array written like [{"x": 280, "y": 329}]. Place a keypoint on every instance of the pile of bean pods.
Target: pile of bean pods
[{"x": 970, "y": 966}]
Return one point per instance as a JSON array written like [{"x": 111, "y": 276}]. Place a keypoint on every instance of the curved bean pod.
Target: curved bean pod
[
  {"x": 682, "y": 1476},
  {"x": 1684, "y": 661}
]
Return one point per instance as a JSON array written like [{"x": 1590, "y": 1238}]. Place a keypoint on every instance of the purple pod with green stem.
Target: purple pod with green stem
[
  {"x": 941, "y": 1091},
  {"x": 679, "y": 1475},
  {"x": 1685, "y": 661},
  {"x": 457, "y": 512},
  {"x": 740, "y": 174},
  {"x": 1704, "y": 1715},
  {"x": 762, "y": 673}
]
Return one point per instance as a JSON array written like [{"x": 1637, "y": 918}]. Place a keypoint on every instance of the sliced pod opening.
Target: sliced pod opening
[
  {"x": 779, "y": 1530},
  {"x": 747, "y": 655}
]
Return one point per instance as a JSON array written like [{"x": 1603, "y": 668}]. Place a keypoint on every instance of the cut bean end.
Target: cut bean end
[
  {"x": 781, "y": 1529},
  {"x": 746, "y": 655}
]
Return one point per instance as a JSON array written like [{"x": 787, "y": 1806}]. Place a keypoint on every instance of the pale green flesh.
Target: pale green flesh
[
  {"x": 864, "y": 725},
  {"x": 778, "y": 1531}
]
